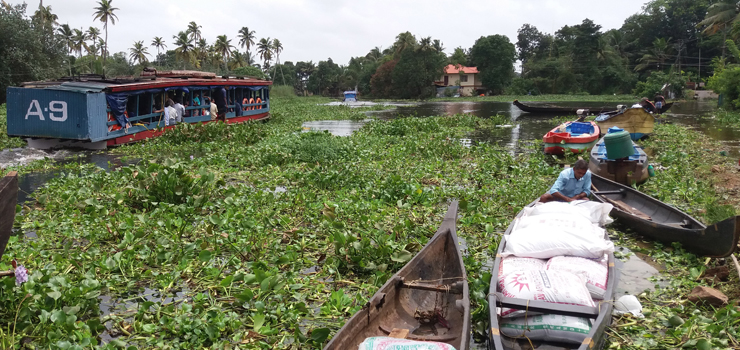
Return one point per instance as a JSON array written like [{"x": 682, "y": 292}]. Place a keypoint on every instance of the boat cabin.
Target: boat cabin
[
  {"x": 94, "y": 112},
  {"x": 350, "y": 96}
]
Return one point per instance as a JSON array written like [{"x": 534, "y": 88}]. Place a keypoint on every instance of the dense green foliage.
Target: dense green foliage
[
  {"x": 659, "y": 82},
  {"x": 494, "y": 56},
  {"x": 5, "y": 141},
  {"x": 250, "y": 71},
  {"x": 29, "y": 50}
]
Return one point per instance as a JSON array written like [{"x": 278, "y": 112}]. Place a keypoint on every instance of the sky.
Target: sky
[{"x": 314, "y": 30}]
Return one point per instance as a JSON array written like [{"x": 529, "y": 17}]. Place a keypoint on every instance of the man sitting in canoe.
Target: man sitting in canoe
[{"x": 572, "y": 184}]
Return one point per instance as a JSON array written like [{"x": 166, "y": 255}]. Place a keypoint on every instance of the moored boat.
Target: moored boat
[
  {"x": 637, "y": 121},
  {"x": 575, "y": 137},
  {"x": 8, "y": 198},
  {"x": 664, "y": 223},
  {"x": 629, "y": 170},
  {"x": 550, "y": 109},
  {"x": 350, "y": 96},
  {"x": 427, "y": 300},
  {"x": 95, "y": 112},
  {"x": 514, "y": 334}
]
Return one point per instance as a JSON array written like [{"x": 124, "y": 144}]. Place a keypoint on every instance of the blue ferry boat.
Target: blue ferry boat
[{"x": 96, "y": 113}]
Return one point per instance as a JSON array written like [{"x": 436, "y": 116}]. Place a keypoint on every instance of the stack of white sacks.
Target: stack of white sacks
[{"x": 556, "y": 252}]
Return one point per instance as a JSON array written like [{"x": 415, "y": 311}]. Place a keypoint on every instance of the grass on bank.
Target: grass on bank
[
  {"x": 5, "y": 141},
  {"x": 265, "y": 268}
]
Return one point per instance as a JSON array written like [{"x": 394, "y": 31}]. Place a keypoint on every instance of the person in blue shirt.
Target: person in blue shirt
[{"x": 572, "y": 184}]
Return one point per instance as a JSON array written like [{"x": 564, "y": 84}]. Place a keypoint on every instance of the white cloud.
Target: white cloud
[{"x": 318, "y": 29}]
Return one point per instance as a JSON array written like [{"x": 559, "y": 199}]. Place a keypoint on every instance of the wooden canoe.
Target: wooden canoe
[
  {"x": 564, "y": 138},
  {"x": 600, "y": 315},
  {"x": 549, "y": 109},
  {"x": 637, "y": 121},
  {"x": 433, "y": 280},
  {"x": 8, "y": 198},
  {"x": 625, "y": 171},
  {"x": 664, "y": 223}
]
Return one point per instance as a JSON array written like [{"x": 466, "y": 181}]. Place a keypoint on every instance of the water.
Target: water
[
  {"x": 335, "y": 127},
  {"x": 635, "y": 272}
]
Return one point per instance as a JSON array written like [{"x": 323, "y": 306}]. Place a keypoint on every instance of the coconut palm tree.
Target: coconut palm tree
[
  {"x": 246, "y": 38},
  {"x": 375, "y": 54},
  {"x": 79, "y": 41},
  {"x": 105, "y": 12},
  {"x": 657, "y": 55},
  {"x": 201, "y": 51},
  {"x": 237, "y": 60},
  {"x": 721, "y": 16},
  {"x": 67, "y": 36},
  {"x": 277, "y": 48},
  {"x": 404, "y": 41},
  {"x": 223, "y": 47},
  {"x": 184, "y": 48},
  {"x": 138, "y": 52},
  {"x": 194, "y": 31},
  {"x": 93, "y": 34},
  {"x": 264, "y": 48},
  {"x": 159, "y": 44},
  {"x": 44, "y": 17}
]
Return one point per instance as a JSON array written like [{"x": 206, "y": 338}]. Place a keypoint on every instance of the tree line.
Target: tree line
[{"x": 666, "y": 44}]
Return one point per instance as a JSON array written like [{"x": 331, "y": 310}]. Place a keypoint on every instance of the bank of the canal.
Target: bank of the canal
[{"x": 265, "y": 236}]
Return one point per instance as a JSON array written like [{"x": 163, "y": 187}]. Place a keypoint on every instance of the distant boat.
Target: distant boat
[
  {"x": 551, "y": 109},
  {"x": 576, "y": 137},
  {"x": 350, "y": 96},
  {"x": 634, "y": 169},
  {"x": 637, "y": 121},
  {"x": 8, "y": 197}
]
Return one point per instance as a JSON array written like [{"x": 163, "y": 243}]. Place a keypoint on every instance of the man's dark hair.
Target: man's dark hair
[{"x": 580, "y": 164}]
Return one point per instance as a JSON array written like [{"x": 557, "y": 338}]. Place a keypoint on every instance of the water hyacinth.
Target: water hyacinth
[{"x": 21, "y": 275}]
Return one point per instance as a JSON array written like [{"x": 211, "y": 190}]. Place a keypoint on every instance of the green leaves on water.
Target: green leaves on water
[{"x": 402, "y": 256}]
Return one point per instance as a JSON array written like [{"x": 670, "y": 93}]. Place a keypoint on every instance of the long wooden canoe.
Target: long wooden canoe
[
  {"x": 434, "y": 282},
  {"x": 662, "y": 222},
  {"x": 550, "y": 109},
  {"x": 600, "y": 315},
  {"x": 8, "y": 198}
]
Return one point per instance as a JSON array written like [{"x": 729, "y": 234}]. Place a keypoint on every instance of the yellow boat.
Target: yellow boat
[{"x": 636, "y": 121}]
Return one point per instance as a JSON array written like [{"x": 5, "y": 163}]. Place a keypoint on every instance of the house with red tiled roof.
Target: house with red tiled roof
[{"x": 467, "y": 79}]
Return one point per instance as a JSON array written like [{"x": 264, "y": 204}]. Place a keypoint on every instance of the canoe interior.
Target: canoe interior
[
  {"x": 600, "y": 315},
  {"x": 661, "y": 222},
  {"x": 628, "y": 171},
  {"x": 658, "y": 211},
  {"x": 555, "y": 109},
  {"x": 8, "y": 198},
  {"x": 420, "y": 286}
]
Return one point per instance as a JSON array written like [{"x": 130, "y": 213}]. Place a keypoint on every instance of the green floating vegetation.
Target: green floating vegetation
[
  {"x": 263, "y": 236},
  {"x": 5, "y": 141}
]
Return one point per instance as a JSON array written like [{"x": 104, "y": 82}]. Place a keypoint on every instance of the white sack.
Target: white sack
[
  {"x": 388, "y": 343},
  {"x": 553, "y": 328},
  {"x": 553, "y": 286},
  {"x": 597, "y": 212},
  {"x": 515, "y": 264},
  {"x": 543, "y": 242},
  {"x": 595, "y": 272},
  {"x": 572, "y": 224},
  {"x": 628, "y": 304}
]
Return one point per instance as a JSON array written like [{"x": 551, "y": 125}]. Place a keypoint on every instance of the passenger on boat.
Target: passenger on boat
[
  {"x": 572, "y": 184},
  {"x": 220, "y": 97},
  {"x": 659, "y": 101},
  {"x": 196, "y": 102},
  {"x": 214, "y": 109},
  {"x": 180, "y": 109},
  {"x": 649, "y": 106}
]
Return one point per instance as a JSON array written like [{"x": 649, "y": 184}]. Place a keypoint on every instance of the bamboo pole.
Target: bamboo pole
[
  {"x": 10, "y": 273},
  {"x": 737, "y": 265}
]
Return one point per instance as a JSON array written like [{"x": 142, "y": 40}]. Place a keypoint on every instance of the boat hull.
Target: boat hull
[
  {"x": 602, "y": 313},
  {"x": 628, "y": 172},
  {"x": 8, "y": 199},
  {"x": 436, "y": 273},
  {"x": 636, "y": 121},
  {"x": 558, "y": 143},
  {"x": 667, "y": 224}
]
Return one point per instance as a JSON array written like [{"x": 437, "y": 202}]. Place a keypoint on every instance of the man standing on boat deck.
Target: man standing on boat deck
[
  {"x": 220, "y": 96},
  {"x": 572, "y": 184}
]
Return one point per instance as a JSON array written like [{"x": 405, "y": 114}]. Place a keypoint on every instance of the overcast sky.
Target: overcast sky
[{"x": 318, "y": 29}]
